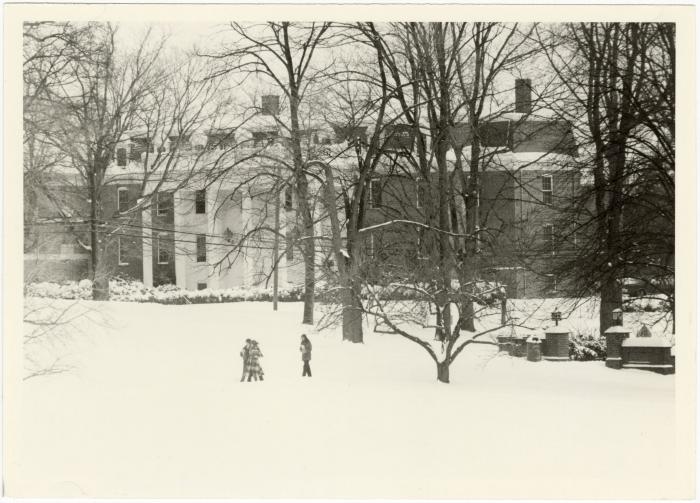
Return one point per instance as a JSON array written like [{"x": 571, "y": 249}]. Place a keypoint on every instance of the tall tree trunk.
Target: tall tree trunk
[
  {"x": 302, "y": 190},
  {"x": 352, "y": 312},
  {"x": 352, "y": 301},
  {"x": 610, "y": 299},
  {"x": 443, "y": 371},
  {"x": 100, "y": 279}
]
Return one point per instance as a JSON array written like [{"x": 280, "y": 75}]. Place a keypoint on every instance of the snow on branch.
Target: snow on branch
[{"x": 419, "y": 224}]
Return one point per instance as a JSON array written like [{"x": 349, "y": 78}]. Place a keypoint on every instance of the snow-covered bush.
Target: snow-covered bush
[
  {"x": 135, "y": 291},
  {"x": 646, "y": 304},
  {"x": 585, "y": 348}
]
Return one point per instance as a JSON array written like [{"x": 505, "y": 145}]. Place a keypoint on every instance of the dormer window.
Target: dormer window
[
  {"x": 350, "y": 133},
  {"x": 220, "y": 139},
  {"x": 399, "y": 137},
  {"x": 270, "y": 105},
  {"x": 181, "y": 142},
  {"x": 121, "y": 157},
  {"x": 138, "y": 146},
  {"x": 264, "y": 138}
]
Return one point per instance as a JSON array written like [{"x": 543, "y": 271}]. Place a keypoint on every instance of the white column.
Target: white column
[
  {"x": 213, "y": 252},
  {"x": 181, "y": 248},
  {"x": 246, "y": 270},
  {"x": 147, "y": 240}
]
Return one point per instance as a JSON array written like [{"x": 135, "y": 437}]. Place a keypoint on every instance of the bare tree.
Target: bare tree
[
  {"x": 283, "y": 55},
  {"x": 100, "y": 90},
  {"x": 620, "y": 81}
]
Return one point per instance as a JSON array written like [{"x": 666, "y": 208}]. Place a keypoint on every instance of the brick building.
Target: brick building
[{"x": 186, "y": 233}]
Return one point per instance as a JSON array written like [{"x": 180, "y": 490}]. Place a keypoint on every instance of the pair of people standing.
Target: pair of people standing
[{"x": 251, "y": 355}]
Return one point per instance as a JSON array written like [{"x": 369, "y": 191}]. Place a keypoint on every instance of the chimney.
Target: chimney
[
  {"x": 270, "y": 104},
  {"x": 523, "y": 96}
]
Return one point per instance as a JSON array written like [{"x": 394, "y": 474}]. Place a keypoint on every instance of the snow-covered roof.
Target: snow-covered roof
[{"x": 646, "y": 342}]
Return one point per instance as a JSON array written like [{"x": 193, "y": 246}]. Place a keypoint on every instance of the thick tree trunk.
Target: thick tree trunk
[
  {"x": 352, "y": 317},
  {"x": 467, "y": 319},
  {"x": 352, "y": 304},
  {"x": 100, "y": 278},
  {"x": 309, "y": 281},
  {"x": 302, "y": 192},
  {"x": 610, "y": 298},
  {"x": 439, "y": 332},
  {"x": 443, "y": 372}
]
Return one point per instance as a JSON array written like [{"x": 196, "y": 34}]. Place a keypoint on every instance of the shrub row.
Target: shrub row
[{"x": 135, "y": 291}]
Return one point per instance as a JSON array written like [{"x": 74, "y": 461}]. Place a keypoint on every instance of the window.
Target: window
[
  {"x": 162, "y": 248},
  {"x": 523, "y": 96},
  {"x": 550, "y": 283},
  {"x": 288, "y": 199},
  {"x": 201, "y": 248},
  {"x": 201, "y": 286},
  {"x": 164, "y": 203},
  {"x": 121, "y": 157},
  {"x": 547, "y": 189},
  {"x": 421, "y": 190},
  {"x": 200, "y": 201},
  {"x": 375, "y": 193},
  {"x": 548, "y": 233},
  {"x": 121, "y": 251},
  {"x": 122, "y": 199},
  {"x": 290, "y": 245}
]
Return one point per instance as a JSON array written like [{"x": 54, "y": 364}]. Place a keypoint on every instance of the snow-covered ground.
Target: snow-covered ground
[{"x": 153, "y": 407}]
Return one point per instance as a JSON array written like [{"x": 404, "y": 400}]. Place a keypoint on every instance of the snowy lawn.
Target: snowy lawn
[{"x": 153, "y": 407}]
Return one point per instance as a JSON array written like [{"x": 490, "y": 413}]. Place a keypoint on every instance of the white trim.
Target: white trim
[{"x": 419, "y": 182}]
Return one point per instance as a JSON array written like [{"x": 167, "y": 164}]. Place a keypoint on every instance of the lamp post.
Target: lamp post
[
  {"x": 617, "y": 317},
  {"x": 556, "y": 316}
]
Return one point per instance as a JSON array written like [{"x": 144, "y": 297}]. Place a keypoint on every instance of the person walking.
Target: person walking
[
  {"x": 305, "y": 349},
  {"x": 245, "y": 354},
  {"x": 255, "y": 370}
]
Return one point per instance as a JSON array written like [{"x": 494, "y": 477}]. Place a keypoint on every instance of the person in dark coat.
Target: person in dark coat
[
  {"x": 244, "y": 354},
  {"x": 305, "y": 349},
  {"x": 254, "y": 369}
]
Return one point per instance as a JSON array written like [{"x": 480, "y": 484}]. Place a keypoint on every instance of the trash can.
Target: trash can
[
  {"x": 503, "y": 342},
  {"x": 518, "y": 346},
  {"x": 534, "y": 349}
]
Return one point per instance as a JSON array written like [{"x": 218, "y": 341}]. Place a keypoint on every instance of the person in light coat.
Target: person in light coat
[
  {"x": 305, "y": 349},
  {"x": 244, "y": 354},
  {"x": 254, "y": 369}
]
